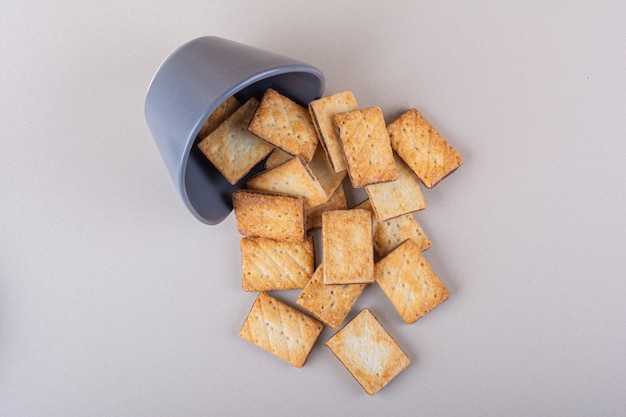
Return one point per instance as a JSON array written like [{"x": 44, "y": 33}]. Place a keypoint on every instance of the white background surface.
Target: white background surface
[{"x": 115, "y": 301}]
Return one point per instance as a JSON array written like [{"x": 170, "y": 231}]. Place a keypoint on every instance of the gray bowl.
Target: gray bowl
[{"x": 186, "y": 88}]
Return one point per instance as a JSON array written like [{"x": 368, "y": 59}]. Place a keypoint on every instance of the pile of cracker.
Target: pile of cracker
[{"x": 308, "y": 152}]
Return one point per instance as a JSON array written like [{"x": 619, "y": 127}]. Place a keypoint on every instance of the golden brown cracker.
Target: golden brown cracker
[
  {"x": 369, "y": 352},
  {"x": 219, "y": 115},
  {"x": 291, "y": 178},
  {"x": 231, "y": 148},
  {"x": 322, "y": 170},
  {"x": 285, "y": 124},
  {"x": 366, "y": 145},
  {"x": 409, "y": 282},
  {"x": 394, "y": 198},
  {"x": 269, "y": 264},
  {"x": 329, "y": 303},
  {"x": 277, "y": 157},
  {"x": 419, "y": 144},
  {"x": 347, "y": 248},
  {"x": 281, "y": 329},
  {"x": 391, "y": 233},
  {"x": 337, "y": 201},
  {"x": 274, "y": 216},
  {"x": 323, "y": 112}
]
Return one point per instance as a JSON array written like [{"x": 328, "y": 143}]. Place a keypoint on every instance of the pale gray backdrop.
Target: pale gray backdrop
[{"x": 115, "y": 301}]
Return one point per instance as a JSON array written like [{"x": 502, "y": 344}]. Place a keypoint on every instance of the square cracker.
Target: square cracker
[
  {"x": 281, "y": 329},
  {"x": 231, "y": 148},
  {"x": 291, "y": 178},
  {"x": 329, "y": 303},
  {"x": 285, "y": 124},
  {"x": 269, "y": 264},
  {"x": 419, "y": 144},
  {"x": 365, "y": 143},
  {"x": 219, "y": 115},
  {"x": 409, "y": 282},
  {"x": 394, "y": 198},
  {"x": 391, "y": 233},
  {"x": 369, "y": 352},
  {"x": 273, "y": 216},
  {"x": 323, "y": 112},
  {"x": 337, "y": 201},
  {"x": 347, "y": 248}
]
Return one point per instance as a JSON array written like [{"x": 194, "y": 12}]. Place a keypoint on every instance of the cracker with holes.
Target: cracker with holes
[
  {"x": 395, "y": 198},
  {"x": 268, "y": 264},
  {"x": 329, "y": 303},
  {"x": 409, "y": 282},
  {"x": 291, "y": 178},
  {"x": 419, "y": 144},
  {"x": 365, "y": 142},
  {"x": 391, "y": 233},
  {"x": 281, "y": 329},
  {"x": 337, "y": 201},
  {"x": 323, "y": 112},
  {"x": 231, "y": 148},
  {"x": 219, "y": 115},
  {"x": 268, "y": 215},
  {"x": 285, "y": 124},
  {"x": 347, "y": 248},
  {"x": 369, "y": 352}
]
